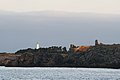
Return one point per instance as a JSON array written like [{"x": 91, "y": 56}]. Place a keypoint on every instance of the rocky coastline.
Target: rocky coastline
[{"x": 96, "y": 56}]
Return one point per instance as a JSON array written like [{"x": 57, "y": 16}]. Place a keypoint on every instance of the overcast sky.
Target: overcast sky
[
  {"x": 99, "y": 6},
  {"x": 57, "y": 22}
]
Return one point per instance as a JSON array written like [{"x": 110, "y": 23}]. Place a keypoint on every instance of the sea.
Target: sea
[{"x": 35, "y": 73}]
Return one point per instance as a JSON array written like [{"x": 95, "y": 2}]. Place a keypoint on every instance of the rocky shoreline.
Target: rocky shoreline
[{"x": 96, "y": 56}]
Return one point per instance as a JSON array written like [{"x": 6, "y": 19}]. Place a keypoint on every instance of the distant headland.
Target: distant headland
[{"x": 97, "y": 56}]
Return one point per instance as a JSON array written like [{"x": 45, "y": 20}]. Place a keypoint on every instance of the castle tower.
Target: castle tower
[
  {"x": 37, "y": 45},
  {"x": 96, "y": 42}
]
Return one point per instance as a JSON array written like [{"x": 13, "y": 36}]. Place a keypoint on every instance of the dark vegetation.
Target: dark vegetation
[{"x": 98, "y": 56}]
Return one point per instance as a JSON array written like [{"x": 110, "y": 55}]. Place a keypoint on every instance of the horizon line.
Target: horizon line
[{"x": 78, "y": 12}]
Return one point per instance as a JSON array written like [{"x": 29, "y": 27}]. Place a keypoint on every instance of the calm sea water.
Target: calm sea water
[{"x": 58, "y": 74}]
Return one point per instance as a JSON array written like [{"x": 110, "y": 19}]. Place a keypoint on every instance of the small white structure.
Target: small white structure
[{"x": 37, "y": 45}]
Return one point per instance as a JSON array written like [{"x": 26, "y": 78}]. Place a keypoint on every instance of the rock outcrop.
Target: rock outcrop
[{"x": 98, "y": 56}]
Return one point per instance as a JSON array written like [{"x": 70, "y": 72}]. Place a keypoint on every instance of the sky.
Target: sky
[
  {"x": 98, "y": 6},
  {"x": 24, "y": 30},
  {"x": 57, "y": 22}
]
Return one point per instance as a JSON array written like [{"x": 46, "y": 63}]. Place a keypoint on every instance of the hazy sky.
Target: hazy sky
[
  {"x": 99, "y": 6},
  {"x": 50, "y": 24},
  {"x": 23, "y": 30}
]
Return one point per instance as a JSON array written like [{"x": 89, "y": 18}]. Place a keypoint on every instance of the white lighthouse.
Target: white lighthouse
[{"x": 37, "y": 45}]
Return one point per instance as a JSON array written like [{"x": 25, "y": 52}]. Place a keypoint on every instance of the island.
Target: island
[{"x": 96, "y": 56}]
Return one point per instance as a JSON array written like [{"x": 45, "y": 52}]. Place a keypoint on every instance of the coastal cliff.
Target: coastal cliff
[
  {"x": 97, "y": 56},
  {"x": 100, "y": 56}
]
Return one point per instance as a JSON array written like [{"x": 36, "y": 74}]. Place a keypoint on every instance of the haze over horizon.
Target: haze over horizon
[
  {"x": 51, "y": 22},
  {"x": 23, "y": 30}
]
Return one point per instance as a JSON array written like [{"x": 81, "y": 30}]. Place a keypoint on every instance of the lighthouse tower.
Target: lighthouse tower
[{"x": 37, "y": 45}]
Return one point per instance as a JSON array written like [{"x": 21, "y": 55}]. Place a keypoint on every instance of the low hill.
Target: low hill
[{"x": 98, "y": 56}]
